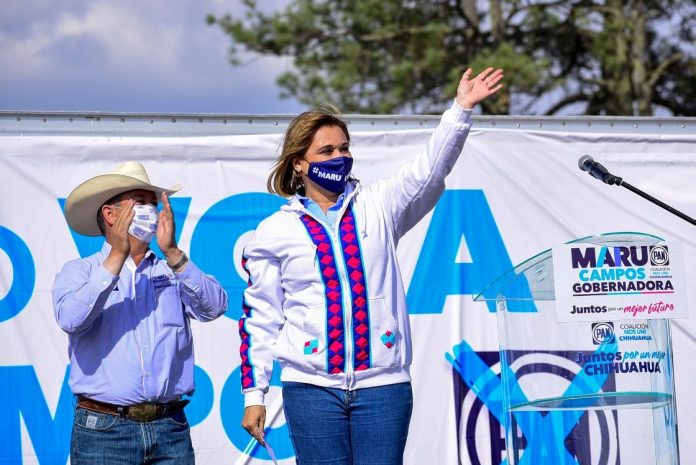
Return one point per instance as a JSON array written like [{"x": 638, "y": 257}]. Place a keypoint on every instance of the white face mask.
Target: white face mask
[{"x": 144, "y": 224}]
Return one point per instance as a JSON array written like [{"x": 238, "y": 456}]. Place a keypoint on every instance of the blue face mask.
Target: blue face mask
[{"x": 332, "y": 174}]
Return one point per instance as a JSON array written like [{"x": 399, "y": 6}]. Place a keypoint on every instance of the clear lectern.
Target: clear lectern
[{"x": 582, "y": 392}]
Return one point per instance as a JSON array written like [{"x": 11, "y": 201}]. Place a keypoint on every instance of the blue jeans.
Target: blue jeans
[
  {"x": 338, "y": 427},
  {"x": 103, "y": 439}
]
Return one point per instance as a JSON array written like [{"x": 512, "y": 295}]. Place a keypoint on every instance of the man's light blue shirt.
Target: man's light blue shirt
[{"x": 129, "y": 335}]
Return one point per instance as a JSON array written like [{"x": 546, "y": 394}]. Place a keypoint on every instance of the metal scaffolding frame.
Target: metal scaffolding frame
[{"x": 159, "y": 124}]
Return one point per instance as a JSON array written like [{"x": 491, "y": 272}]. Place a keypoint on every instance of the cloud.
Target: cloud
[
  {"x": 115, "y": 36},
  {"x": 22, "y": 51},
  {"x": 154, "y": 56},
  {"x": 125, "y": 36}
]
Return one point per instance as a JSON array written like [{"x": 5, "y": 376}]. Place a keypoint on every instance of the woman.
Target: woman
[{"x": 325, "y": 294}]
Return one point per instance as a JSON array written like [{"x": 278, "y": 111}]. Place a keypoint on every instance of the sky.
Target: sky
[{"x": 152, "y": 56}]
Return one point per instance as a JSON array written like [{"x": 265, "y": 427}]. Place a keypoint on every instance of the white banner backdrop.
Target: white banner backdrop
[{"x": 512, "y": 194}]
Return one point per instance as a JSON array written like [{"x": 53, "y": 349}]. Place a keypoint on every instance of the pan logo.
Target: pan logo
[
  {"x": 589, "y": 437},
  {"x": 603, "y": 333},
  {"x": 659, "y": 255}
]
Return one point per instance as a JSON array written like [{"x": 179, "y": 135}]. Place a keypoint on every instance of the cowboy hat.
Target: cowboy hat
[{"x": 85, "y": 200}]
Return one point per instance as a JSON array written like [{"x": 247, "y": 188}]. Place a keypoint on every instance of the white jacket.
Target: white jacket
[{"x": 329, "y": 303}]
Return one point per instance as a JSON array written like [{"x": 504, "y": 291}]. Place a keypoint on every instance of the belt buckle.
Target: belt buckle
[{"x": 143, "y": 412}]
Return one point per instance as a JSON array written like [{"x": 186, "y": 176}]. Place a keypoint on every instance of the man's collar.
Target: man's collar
[{"x": 106, "y": 249}]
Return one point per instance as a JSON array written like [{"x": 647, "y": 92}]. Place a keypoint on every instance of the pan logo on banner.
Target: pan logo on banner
[
  {"x": 659, "y": 256},
  {"x": 603, "y": 333},
  {"x": 619, "y": 282},
  {"x": 589, "y": 437}
]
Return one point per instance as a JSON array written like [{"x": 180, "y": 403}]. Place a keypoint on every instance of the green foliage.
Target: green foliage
[{"x": 387, "y": 56}]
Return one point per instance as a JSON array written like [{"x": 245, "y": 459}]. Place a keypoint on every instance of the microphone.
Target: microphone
[{"x": 597, "y": 170}]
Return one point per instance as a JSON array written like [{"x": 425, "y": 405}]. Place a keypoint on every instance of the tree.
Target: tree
[
  {"x": 617, "y": 57},
  {"x": 622, "y": 57}
]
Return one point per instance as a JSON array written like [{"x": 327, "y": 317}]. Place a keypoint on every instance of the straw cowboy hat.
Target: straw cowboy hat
[{"x": 85, "y": 200}]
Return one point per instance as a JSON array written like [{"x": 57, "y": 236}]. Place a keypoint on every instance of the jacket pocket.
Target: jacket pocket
[
  {"x": 304, "y": 343},
  {"x": 385, "y": 337}
]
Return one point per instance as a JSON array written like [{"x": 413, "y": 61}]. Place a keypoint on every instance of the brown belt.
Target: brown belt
[{"x": 145, "y": 412}]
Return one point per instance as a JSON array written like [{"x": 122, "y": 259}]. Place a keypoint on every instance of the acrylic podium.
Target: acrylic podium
[{"x": 581, "y": 392}]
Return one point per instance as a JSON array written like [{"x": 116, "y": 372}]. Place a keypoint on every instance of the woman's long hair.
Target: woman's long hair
[{"x": 284, "y": 180}]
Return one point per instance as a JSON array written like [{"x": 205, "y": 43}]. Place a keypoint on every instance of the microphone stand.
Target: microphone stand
[{"x": 616, "y": 180}]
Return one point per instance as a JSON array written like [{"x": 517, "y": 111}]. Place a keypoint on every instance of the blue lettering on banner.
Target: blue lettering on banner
[
  {"x": 88, "y": 245},
  {"x": 225, "y": 222},
  {"x": 23, "y": 274},
  {"x": 217, "y": 232},
  {"x": 232, "y": 410},
  {"x": 437, "y": 275},
  {"x": 23, "y": 400},
  {"x": 50, "y": 435}
]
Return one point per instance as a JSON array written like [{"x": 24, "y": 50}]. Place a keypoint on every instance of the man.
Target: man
[{"x": 127, "y": 316}]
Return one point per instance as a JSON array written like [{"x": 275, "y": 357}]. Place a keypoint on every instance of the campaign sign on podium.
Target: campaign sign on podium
[
  {"x": 617, "y": 282},
  {"x": 590, "y": 387}
]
